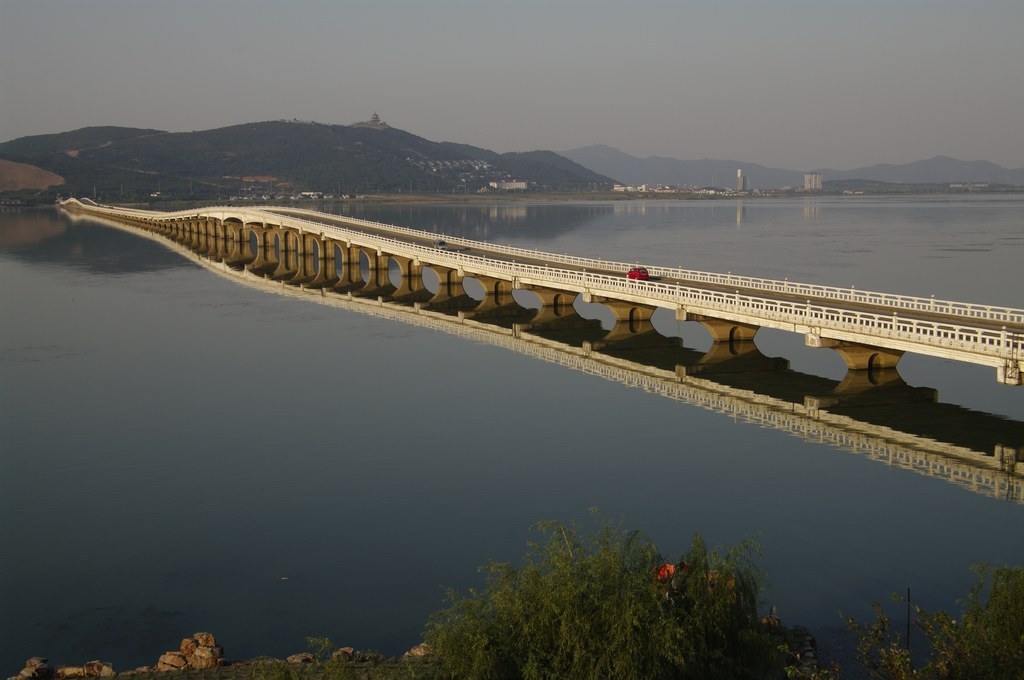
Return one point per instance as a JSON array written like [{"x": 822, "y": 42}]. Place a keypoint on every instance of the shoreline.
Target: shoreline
[{"x": 201, "y": 657}]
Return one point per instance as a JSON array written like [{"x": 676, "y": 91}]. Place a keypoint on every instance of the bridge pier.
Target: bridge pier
[
  {"x": 309, "y": 245},
  {"x": 378, "y": 283},
  {"x": 554, "y": 304},
  {"x": 411, "y": 288},
  {"x": 450, "y": 297},
  {"x": 630, "y": 319},
  {"x": 266, "y": 259},
  {"x": 236, "y": 238},
  {"x": 326, "y": 270},
  {"x": 449, "y": 284},
  {"x": 497, "y": 293},
  {"x": 856, "y": 356},
  {"x": 287, "y": 261},
  {"x": 720, "y": 329},
  {"x": 1011, "y": 373},
  {"x": 350, "y": 278}
]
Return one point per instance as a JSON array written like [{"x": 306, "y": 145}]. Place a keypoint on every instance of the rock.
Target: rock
[
  {"x": 205, "y": 657},
  {"x": 205, "y": 639},
  {"x": 36, "y": 667},
  {"x": 301, "y": 657},
  {"x": 172, "y": 661},
  {"x": 343, "y": 654},
  {"x": 422, "y": 649},
  {"x": 69, "y": 672},
  {"x": 188, "y": 646},
  {"x": 98, "y": 669}
]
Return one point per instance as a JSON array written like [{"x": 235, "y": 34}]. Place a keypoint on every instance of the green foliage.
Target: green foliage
[
  {"x": 589, "y": 606},
  {"x": 320, "y": 647},
  {"x": 987, "y": 641}
]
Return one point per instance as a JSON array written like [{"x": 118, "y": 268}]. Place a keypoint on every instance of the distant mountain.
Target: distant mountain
[
  {"x": 936, "y": 170},
  {"x": 708, "y": 172},
  {"x": 660, "y": 170},
  {"x": 283, "y": 157}
]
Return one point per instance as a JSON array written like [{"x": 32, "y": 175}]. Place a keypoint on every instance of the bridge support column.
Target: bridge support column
[
  {"x": 266, "y": 259},
  {"x": 857, "y": 357},
  {"x": 449, "y": 284},
  {"x": 720, "y": 329},
  {"x": 326, "y": 270},
  {"x": 288, "y": 261},
  {"x": 554, "y": 304},
  {"x": 411, "y": 288},
  {"x": 497, "y": 293},
  {"x": 378, "y": 283},
  {"x": 1012, "y": 373},
  {"x": 630, "y": 319},
  {"x": 350, "y": 277},
  {"x": 307, "y": 247},
  {"x": 236, "y": 242}
]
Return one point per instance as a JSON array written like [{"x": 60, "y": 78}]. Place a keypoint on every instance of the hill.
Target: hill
[
  {"x": 710, "y": 172},
  {"x": 662, "y": 170},
  {"x": 283, "y": 157},
  {"x": 935, "y": 170}
]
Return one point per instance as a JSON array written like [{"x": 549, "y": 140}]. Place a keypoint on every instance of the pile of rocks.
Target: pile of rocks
[
  {"x": 195, "y": 653},
  {"x": 39, "y": 668}
]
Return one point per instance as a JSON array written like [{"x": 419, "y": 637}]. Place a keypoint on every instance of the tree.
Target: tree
[{"x": 986, "y": 642}]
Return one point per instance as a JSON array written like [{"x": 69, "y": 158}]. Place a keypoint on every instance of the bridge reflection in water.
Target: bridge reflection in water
[{"x": 871, "y": 413}]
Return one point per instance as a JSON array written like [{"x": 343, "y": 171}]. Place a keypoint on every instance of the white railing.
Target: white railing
[{"x": 973, "y": 340}]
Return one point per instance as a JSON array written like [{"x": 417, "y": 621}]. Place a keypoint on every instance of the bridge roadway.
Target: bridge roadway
[{"x": 870, "y": 330}]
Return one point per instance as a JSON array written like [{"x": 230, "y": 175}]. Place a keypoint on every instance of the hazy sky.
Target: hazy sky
[{"x": 784, "y": 83}]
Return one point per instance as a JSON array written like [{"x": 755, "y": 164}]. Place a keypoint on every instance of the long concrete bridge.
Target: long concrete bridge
[
  {"x": 347, "y": 256},
  {"x": 975, "y": 451}
]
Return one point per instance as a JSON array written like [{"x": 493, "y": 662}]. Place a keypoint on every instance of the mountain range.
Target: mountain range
[
  {"x": 287, "y": 157},
  {"x": 629, "y": 169}
]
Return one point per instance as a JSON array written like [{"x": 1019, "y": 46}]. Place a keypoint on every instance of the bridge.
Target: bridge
[
  {"x": 338, "y": 255},
  {"x": 975, "y": 451}
]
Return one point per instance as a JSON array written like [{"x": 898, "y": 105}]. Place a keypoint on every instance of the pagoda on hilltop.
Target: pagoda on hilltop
[{"x": 375, "y": 122}]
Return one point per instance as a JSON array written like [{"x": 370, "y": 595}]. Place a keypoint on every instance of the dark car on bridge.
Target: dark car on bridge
[{"x": 638, "y": 273}]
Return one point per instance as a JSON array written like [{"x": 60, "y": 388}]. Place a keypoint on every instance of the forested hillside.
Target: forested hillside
[{"x": 283, "y": 157}]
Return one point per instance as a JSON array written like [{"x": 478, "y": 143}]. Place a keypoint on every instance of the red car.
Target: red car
[{"x": 638, "y": 273}]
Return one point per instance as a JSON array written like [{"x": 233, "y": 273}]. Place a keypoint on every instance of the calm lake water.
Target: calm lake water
[{"x": 184, "y": 453}]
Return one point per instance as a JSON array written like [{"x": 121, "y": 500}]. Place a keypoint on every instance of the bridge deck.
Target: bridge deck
[{"x": 864, "y": 326}]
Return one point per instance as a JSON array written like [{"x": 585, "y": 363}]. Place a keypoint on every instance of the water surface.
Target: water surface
[{"x": 185, "y": 453}]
